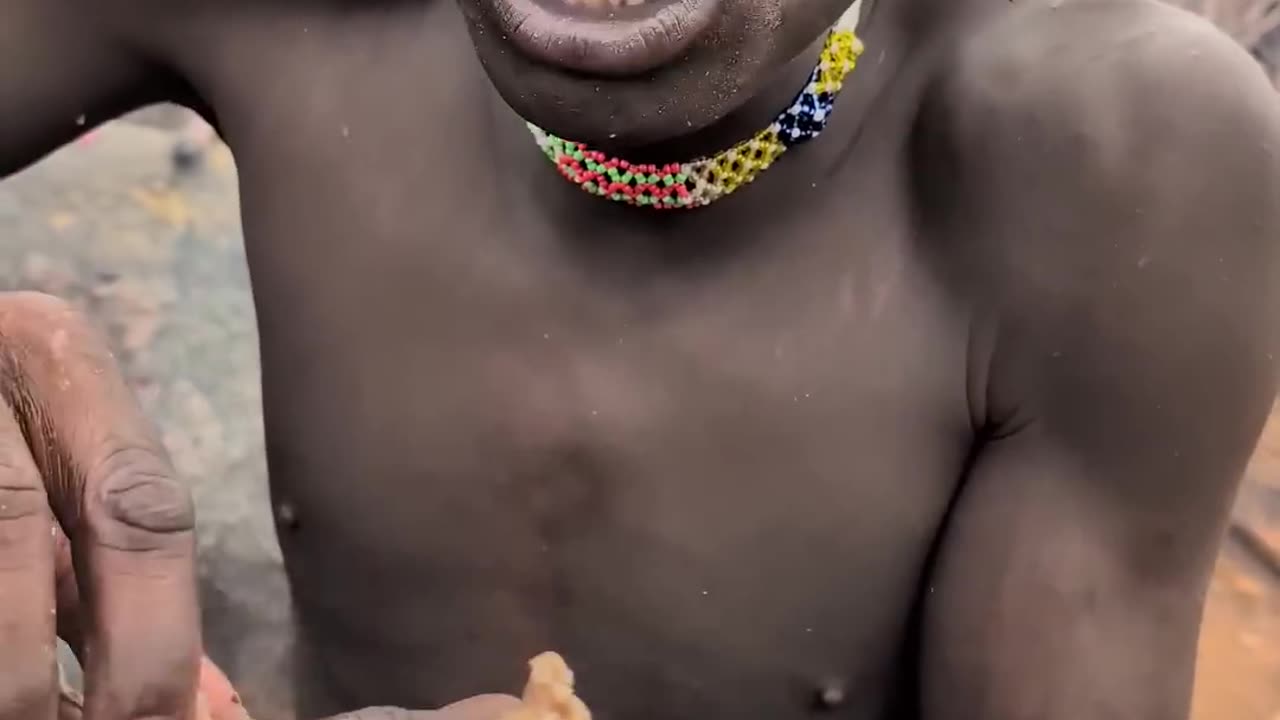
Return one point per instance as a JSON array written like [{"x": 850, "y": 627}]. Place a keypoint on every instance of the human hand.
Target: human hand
[
  {"x": 219, "y": 701},
  {"x": 77, "y": 455},
  {"x": 481, "y": 707}
]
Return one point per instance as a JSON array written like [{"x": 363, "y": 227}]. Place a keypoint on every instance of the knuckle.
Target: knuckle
[
  {"x": 26, "y": 535},
  {"x": 24, "y": 527},
  {"x": 17, "y": 469},
  {"x": 139, "y": 495},
  {"x": 18, "y": 502}
]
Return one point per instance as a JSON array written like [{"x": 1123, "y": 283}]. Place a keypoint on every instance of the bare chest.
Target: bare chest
[
  {"x": 726, "y": 478},
  {"x": 704, "y": 459}
]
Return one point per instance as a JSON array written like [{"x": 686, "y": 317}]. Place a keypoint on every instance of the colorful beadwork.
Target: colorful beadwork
[{"x": 705, "y": 180}]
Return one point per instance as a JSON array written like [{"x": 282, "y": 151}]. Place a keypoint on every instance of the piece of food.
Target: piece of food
[
  {"x": 549, "y": 693},
  {"x": 217, "y": 700}
]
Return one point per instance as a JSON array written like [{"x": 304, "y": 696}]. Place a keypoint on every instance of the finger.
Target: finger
[
  {"x": 114, "y": 491},
  {"x": 68, "y": 709},
  {"x": 481, "y": 707},
  {"x": 28, "y": 672},
  {"x": 70, "y": 628}
]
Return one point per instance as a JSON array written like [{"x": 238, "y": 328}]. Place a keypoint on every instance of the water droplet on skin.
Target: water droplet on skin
[
  {"x": 831, "y": 696},
  {"x": 546, "y": 336},
  {"x": 346, "y": 131},
  {"x": 287, "y": 516}
]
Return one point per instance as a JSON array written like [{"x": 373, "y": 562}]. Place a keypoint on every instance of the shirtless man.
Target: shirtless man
[{"x": 939, "y": 418}]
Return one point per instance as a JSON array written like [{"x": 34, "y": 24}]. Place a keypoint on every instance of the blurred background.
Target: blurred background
[{"x": 138, "y": 224}]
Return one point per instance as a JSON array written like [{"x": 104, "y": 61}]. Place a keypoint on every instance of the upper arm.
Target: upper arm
[
  {"x": 1121, "y": 225},
  {"x": 66, "y": 64}
]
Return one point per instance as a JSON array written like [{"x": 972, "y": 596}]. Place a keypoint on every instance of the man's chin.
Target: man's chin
[
  {"x": 606, "y": 113},
  {"x": 677, "y": 98},
  {"x": 626, "y": 120}
]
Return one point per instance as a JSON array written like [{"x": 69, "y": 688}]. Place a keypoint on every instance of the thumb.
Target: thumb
[{"x": 480, "y": 707}]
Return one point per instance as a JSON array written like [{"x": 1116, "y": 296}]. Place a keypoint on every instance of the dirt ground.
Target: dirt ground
[
  {"x": 157, "y": 259},
  {"x": 1239, "y": 669}
]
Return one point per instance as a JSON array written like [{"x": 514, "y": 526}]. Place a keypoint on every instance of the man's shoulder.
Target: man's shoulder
[
  {"x": 1091, "y": 60},
  {"x": 1072, "y": 130},
  {"x": 1116, "y": 80},
  {"x": 1104, "y": 175}
]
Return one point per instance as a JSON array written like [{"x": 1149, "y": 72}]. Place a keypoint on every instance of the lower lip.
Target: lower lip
[{"x": 604, "y": 41}]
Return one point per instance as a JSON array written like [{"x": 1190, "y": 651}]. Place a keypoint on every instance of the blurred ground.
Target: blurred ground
[{"x": 157, "y": 260}]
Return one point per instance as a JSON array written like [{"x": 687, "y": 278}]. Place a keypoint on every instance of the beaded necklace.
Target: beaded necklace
[{"x": 703, "y": 181}]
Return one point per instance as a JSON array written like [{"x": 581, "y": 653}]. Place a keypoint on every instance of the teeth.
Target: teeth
[{"x": 604, "y": 4}]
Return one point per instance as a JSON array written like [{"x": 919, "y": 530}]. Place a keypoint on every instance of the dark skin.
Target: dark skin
[{"x": 941, "y": 418}]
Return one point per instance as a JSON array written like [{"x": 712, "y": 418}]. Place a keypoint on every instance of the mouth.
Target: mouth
[{"x": 604, "y": 38}]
